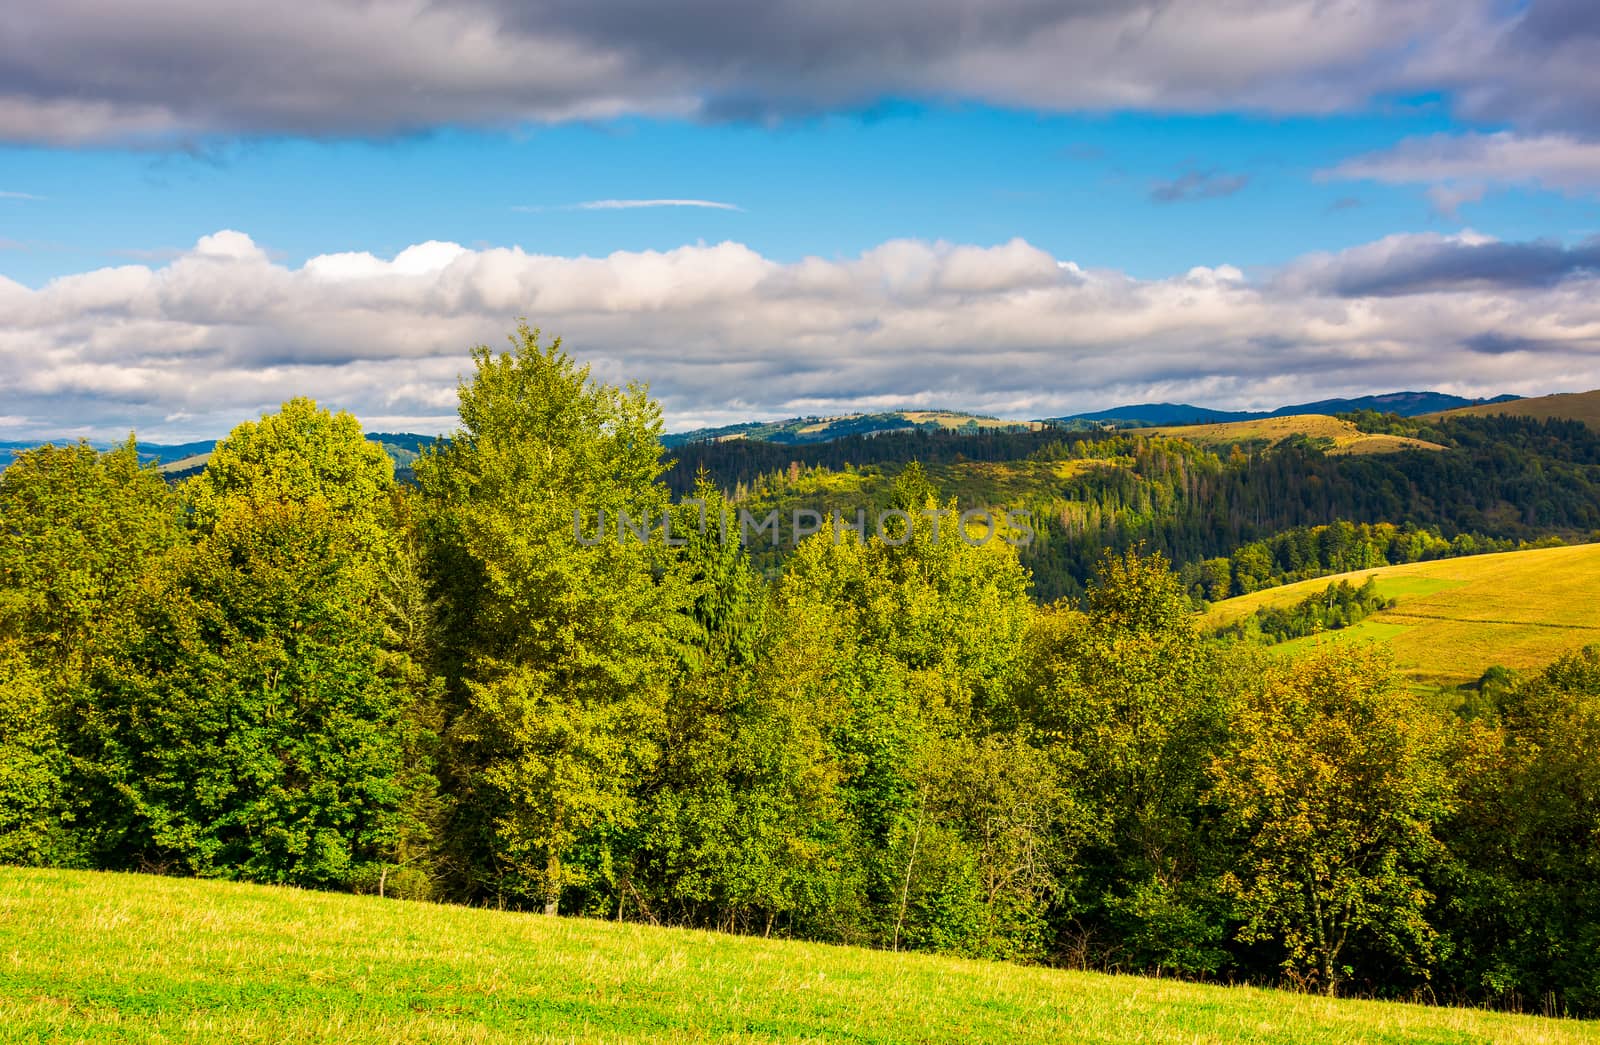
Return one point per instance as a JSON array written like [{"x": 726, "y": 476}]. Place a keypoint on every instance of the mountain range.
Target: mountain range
[{"x": 404, "y": 446}]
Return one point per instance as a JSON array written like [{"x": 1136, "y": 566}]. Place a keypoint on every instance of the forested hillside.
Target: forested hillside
[
  {"x": 485, "y": 688},
  {"x": 1278, "y": 511}
]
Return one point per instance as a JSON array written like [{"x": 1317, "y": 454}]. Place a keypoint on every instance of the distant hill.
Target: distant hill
[
  {"x": 160, "y": 453},
  {"x": 1144, "y": 414},
  {"x": 1330, "y": 434},
  {"x": 1575, "y": 406},
  {"x": 1406, "y": 404},
  {"x": 797, "y": 431},
  {"x": 403, "y": 449}
]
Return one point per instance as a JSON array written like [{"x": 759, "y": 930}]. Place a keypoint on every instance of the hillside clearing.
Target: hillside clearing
[
  {"x": 1343, "y": 437},
  {"x": 1454, "y": 618},
  {"x": 101, "y": 957},
  {"x": 1574, "y": 406}
]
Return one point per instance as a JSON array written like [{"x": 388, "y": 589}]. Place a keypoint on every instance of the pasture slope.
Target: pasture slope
[
  {"x": 133, "y": 958},
  {"x": 1454, "y": 618},
  {"x": 1340, "y": 437},
  {"x": 1572, "y": 406}
]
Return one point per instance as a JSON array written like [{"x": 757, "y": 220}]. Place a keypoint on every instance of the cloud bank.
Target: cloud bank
[
  {"x": 188, "y": 348},
  {"x": 84, "y": 71}
]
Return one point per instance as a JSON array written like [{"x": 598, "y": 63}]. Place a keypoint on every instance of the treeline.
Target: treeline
[
  {"x": 291, "y": 669},
  {"x": 746, "y": 463},
  {"x": 1308, "y": 552},
  {"x": 1338, "y": 606}
]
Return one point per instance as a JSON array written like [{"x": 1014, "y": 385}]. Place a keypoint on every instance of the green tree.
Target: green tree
[
  {"x": 556, "y": 649},
  {"x": 77, "y": 530},
  {"x": 1129, "y": 696},
  {"x": 300, "y": 454},
  {"x": 79, "y": 526},
  {"x": 250, "y": 721},
  {"x": 246, "y": 726},
  {"x": 1520, "y": 896},
  {"x": 1334, "y": 781},
  {"x": 34, "y": 765}
]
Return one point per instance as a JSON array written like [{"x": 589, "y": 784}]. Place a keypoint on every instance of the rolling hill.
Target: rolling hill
[
  {"x": 1454, "y": 618},
  {"x": 1333, "y": 434},
  {"x": 105, "y": 957},
  {"x": 1406, "y": 404},
  {"x": 802, "y": 430},
  {"x": 402, "y": 448},
  {"x": 1574, "y": 406}
]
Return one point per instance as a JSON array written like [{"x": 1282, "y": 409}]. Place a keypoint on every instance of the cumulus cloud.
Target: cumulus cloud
[
  {"x": 1197, "y": 185},
  {"x": 190, "y": 347},
  {"x": 83, "y": 71}
]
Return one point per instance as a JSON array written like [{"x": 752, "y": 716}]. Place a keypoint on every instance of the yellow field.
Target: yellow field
[
  {"x": 1347, "y": 439},
  {"x": 949, "y": 420},
  {"x": 1577, "y": 406},
  {"x": 943, "y": 418},
  {"x": 1456, "y": 617}
]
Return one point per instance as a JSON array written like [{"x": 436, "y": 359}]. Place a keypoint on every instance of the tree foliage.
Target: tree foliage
[{"x": 534, "y": 680}]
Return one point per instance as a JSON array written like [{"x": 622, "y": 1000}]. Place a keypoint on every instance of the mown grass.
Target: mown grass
[
  {"x": 1454, "y": 618},
  {"x": 128, "y": 958},
  {"x": 1342, "y": 437}
]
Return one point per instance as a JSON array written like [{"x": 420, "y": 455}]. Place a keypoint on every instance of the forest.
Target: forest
[
  {"x": 291, "y": 668},
  {"x": 1233, "y": 523}
]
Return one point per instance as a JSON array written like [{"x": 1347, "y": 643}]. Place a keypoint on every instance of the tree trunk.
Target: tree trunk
[{"x": 552, "y": 885}]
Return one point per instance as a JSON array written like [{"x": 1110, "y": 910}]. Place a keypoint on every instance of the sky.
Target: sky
[{"x": 1016, "y": 207}]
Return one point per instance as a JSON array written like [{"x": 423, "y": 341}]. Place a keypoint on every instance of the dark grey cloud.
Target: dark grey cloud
[
  {"x": 1197, "y": 185},
  {"x": 1422, "y": 264},
  {"x": 1538, "y": 71},
  {"x": 88, "y": 71}
]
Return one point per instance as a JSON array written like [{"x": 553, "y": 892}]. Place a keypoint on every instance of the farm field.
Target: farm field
[
  {"x": 1456, "y": 617},
  {"x": 1343, "y": 436},
  {"x": 131, "y": 958}
]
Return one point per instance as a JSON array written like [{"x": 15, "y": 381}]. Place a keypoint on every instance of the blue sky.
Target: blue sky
[
  {"x": 1078, "y": 186},
  {"x": 1018, "y": 208}
]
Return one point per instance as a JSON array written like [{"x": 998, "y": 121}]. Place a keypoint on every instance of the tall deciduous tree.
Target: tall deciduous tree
[
  {"x": 559, "y": 649},
  {"x": 251, "y": 722}
]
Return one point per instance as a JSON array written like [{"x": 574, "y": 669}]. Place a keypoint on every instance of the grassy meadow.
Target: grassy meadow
[
  {"x": 1575, "y": 406},
  {"x": 1342, "y": 437},
  {"x": 1454, "y": 618},
  {"x": 132, "y": 958}
]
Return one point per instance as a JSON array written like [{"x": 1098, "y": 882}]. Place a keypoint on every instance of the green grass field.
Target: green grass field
[
  {"x": 129, "y": 958},
  {"x": 1454, "y": 618}
]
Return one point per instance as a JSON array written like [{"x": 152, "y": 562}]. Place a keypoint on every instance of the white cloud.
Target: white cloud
[
  {"x": 20, "y": 196},
  {"x": 722, "y": 333},
  {"x": 1464, "y": 162}
]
